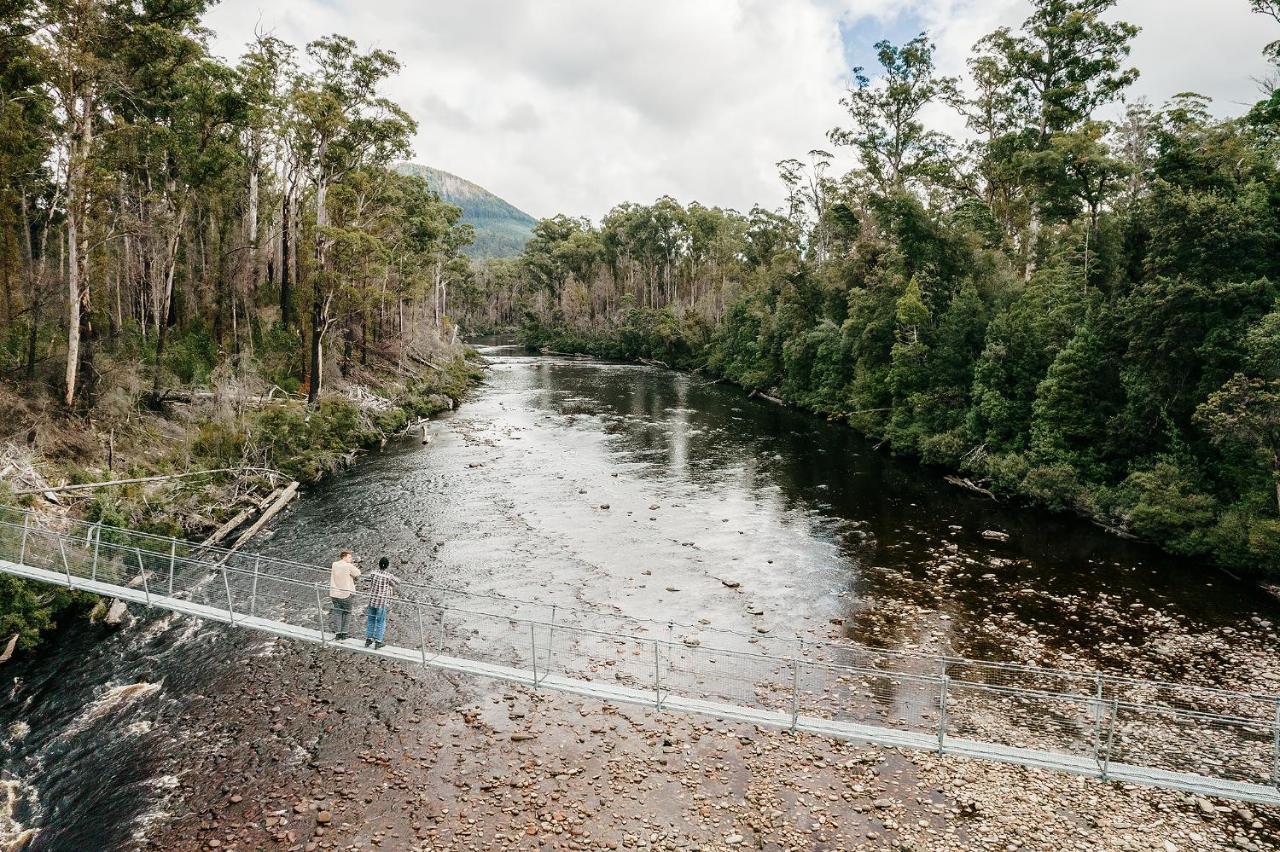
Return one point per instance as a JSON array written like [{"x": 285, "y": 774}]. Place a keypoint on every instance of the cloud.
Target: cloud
[{"x": 573, "y": 106}]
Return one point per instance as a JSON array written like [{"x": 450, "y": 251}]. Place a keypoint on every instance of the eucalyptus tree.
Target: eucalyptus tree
[
  {"x": 340, "y": 124},
  {"x": 29, "y": 205},
  {"x": 896, "y": 149},
  {"x": 264, "y": 72}
]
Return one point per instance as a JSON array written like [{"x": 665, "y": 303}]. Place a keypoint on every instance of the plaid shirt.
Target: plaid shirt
[{"x": 381, "y": 585}]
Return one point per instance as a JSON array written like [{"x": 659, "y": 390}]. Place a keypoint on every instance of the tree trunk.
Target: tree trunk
[
  {"x": 73, "y": 301},
  {"x": 286, "y": 291},
  {"x": 318, "y": 284}
]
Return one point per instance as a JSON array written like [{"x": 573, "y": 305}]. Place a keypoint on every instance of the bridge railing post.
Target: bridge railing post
[
  {"x": 320, "y": 616},
  {"x": 942, "y": 708},
  {"x": 657, "y": 678},
  {"x": 253, "y": 593},
  {"x": 1097, "y": 720},
  {"x": 551, "y": 640},
  {"x": 1111, "y": 737},
  {"x": 173, "y": 560},
  {"x": 795, "y": 694},
  {"x": 533, "y": 659},
  {"x": 22, "y": 551},
  {"x": 422, "y": 633},
  {"x": 226, "y": 584},
  {"x": 142, "y": 569},
  {"x": 66, "y": 566},
  {"x": 97, "y": 538},
  {"x": 1275, "y": 761}
]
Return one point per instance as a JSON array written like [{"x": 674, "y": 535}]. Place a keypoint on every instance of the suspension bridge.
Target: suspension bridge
[{"x": 1197, "y": 739}]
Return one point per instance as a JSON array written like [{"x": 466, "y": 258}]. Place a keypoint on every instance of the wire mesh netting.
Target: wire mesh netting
[{"x": 1087, "y": 717}]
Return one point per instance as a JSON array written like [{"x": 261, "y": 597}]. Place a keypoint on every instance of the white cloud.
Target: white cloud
[{"x": 572, "y": 106}]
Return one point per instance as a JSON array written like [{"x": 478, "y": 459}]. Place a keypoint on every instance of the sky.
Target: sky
[{"x": 573, "y": 106}]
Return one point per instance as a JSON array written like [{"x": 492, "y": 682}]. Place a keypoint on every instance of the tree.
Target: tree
[
  {"x": 894, "y": 146},
  {"x": 341, "y": 124},
  {"x": 1064, "y": 63},
  {"x": 1247, "y": 410},
  {"x": 1270, "y": 8}
]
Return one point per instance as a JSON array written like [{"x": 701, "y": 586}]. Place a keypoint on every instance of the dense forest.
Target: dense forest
[
  {"x": 1076, "y": 303},
  {"x": 162, "y": 206},
  {"x": 204, "y": 266}
]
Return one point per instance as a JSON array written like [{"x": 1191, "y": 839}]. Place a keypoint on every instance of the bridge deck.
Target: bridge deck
[{"x": 673, "y": 702}]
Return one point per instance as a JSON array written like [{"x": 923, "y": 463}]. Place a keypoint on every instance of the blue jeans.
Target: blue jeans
[{"x": 375, "y": 623}]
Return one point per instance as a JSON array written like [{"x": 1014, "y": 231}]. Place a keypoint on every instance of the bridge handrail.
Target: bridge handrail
[{"x": 221, "y": 557}]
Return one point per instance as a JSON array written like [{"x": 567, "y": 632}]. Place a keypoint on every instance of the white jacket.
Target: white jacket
[{"x": 342, "y": 579}]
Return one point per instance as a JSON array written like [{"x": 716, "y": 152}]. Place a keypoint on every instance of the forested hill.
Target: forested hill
[{"x": 501, "y": 228}]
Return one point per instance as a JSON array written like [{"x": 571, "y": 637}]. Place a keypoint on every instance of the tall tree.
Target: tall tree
[
  {"x": 342, "y": 124},
  {"x": 896, "y": 149}
]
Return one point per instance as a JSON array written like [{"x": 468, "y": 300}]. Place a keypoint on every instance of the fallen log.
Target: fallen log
[
  {"x": 8, "y": 649},
  {"x": 283, "y": 500},
  {"x": 234, "y": 524},
  {"x": 764, "y": 395},
  {"x": 969, "y": 485},
  {"x": 138, "y": 479}
]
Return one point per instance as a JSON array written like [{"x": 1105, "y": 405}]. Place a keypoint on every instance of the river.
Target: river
[{"x": 653, "y": 494}]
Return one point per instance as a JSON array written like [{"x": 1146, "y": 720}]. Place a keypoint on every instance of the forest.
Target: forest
[
  {"x": 1073, "y": 304},
  {"x": 204, "y": 266},
  {"x": 162, "y": 206}
]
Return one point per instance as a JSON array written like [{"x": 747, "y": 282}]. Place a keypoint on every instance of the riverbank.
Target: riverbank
[
  {"x": 256, "y": 445},
  {"x": 399, "y": 758},
  {"x": 1155, "y": 506}
]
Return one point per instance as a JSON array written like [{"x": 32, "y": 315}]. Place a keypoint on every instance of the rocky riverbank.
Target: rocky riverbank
[{"x": 315, "y": 753}]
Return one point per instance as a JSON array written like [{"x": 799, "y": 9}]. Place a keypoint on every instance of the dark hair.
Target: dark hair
[{"x": 383, "y": 563}]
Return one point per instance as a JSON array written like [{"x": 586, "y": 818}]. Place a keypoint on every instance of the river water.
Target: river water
[{"x": 654, "y": 495}]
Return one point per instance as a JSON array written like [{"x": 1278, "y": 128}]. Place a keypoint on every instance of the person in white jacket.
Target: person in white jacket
[{"x": 342, "y": 582}]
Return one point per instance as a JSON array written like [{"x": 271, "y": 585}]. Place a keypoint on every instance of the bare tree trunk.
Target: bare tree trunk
[
  {"x": 319, "y": 302},
  {"x": 77, "y": 294}
]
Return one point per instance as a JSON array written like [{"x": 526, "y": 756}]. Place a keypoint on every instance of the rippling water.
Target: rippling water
[{"x": 825, "y": 537}]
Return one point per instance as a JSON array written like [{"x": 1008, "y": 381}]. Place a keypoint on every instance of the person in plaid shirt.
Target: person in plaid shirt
[{"x": 382, "y": 585}]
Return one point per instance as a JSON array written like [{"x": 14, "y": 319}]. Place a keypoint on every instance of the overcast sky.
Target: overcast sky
[{"x": 575, "y": 105}]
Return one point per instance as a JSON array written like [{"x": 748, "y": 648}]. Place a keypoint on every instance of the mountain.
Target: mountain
[{"x": 501, "y": 228}]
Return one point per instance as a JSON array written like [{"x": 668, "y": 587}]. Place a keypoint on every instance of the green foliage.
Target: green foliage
[{"x": 1078, "y": 313}]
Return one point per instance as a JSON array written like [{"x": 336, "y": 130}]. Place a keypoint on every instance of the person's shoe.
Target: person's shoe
[
  {"x": 368, "y": 642},
  {"x": 378, "y": 646}
]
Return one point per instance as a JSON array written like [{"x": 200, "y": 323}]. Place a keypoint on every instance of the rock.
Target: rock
[
  {"x": 116, "y": 612},
  {"x": 995, "y": 535},
  {"x": 691, "y": 641},
  {"x": 604, "y": 505},
  {"x": 730, "y": 584},
  {"x": 521, "y": 736},
  {"x": 733, "y": 839},
  {"x": 882, "y": 804},
  {"x": 1206, "y": 807},
  {"x": 324, "y": 817}
]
